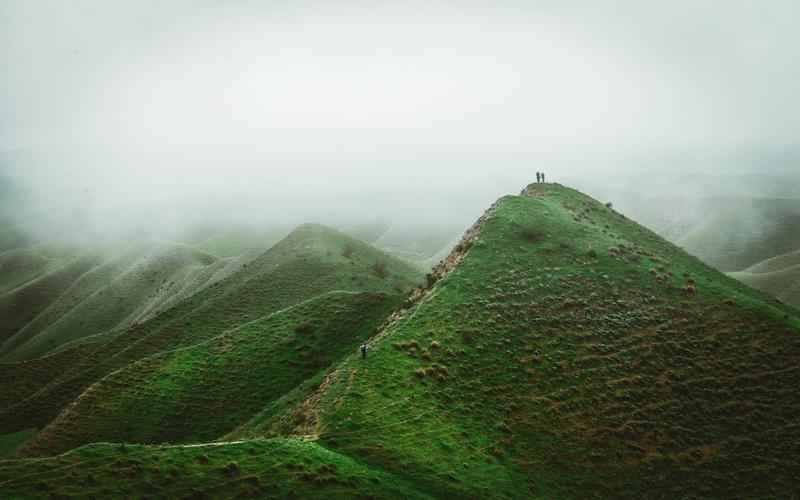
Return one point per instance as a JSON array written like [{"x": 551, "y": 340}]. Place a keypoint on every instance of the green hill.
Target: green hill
[
  {"x": 202, "y": 392},
  {"x": 736, "y": 233},
  {"x": 566, "y": 352},
  {"x": 778, "y": 276},
  {"x": 560, "y": 351},
  {"x": 273, "y": 468},
  {"x": 100, "y": 291},
  {"x": 311, "y": 261}
]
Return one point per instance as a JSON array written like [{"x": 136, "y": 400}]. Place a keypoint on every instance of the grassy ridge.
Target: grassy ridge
[
  {"x": 310, "y": 261},
  {"x": 779, "y": 276},
  {"x": 274, "y": 468},
  {"x": 113, "y": 294},
  {"x": 574, "y": 354},
  {"x": 199, "y": 393}
]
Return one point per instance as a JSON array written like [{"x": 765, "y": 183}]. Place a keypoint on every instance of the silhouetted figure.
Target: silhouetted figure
[
  {"x": 364, "y": 348},
  {"x": 538, "y": 177},
  {"x": 542, "y": 176}
]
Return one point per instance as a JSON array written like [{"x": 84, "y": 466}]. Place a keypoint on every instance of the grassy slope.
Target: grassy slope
[
  {"x": 204, "y": 391},
  {"x": 306, "y": 263},
  {"x": 564, "y": 358},
  {"x": 115, "y": 290},
  {"x": 779, "y": 276},
  {"x": 274, "y": 468},
  {"x": 742, "y": 232}
]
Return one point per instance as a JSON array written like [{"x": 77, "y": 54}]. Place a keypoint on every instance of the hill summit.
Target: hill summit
[
  {"x": 564, "y": 351},
  {"x": 560, "y": 351}
]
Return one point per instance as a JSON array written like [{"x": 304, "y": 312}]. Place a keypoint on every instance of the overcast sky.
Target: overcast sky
[{"x": 277, "y": 98}]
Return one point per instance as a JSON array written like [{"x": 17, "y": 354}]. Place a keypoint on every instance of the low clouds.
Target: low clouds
[{"x": 138, "y": 102}]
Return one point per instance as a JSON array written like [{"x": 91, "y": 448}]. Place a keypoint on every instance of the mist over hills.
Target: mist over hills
[
  {"x": 292, "y": 249},
  {"x": 559, "y": 350}
]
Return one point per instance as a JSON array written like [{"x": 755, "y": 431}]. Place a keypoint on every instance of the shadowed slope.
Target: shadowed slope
[
  {"x": 274, "y": 468},
  {"x": 116, "y": 292},
  {"x": 202, "y": 392},
  {"x": 310, "y": 261},
  {"x": 570, "y": 353}
]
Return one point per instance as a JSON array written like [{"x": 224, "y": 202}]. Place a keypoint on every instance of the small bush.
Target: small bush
[
  {"x": 420, "y": 372},
  {"x": 347, "y": 251},
  {"x": 379, "y": 268},
  {"x": 304, "y": 328},
  {"x": 531, "y": 234},
  {"x": 231, "y": 470},
  {"x": 592, "y": 253},
  {"x": 435, "y": 345}
]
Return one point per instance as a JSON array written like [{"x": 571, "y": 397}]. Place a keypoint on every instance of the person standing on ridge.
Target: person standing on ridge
[
  {"x": 364, "y": 348},
  {"x": 542, "y": 177},
  {"x": 538, "y": 177}
]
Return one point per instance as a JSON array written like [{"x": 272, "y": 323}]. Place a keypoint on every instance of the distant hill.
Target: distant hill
[
  {"x": 778, "y": 276},
  {"x": 71, "y": 295},
  {"x": 311, "y": 261},
  {"x": 559, "y": 351}
]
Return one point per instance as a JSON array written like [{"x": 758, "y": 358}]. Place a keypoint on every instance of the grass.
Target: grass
[
  {"x": 305, "y": 264},
  {"x": 561, "y": 351},
  {"x": 98, "y": 292},
  {"x": 273, "y": 468},
  {"x": 9, "y": 443},
  {"x": 567, "y": 373},
  {"x": 778, "y": 276},
  {"x": 202, "y": 392}
]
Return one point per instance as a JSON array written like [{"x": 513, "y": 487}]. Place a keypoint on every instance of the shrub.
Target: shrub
[
  {"x": 435, "y": 345},
  {"x": 304, "y": 328},
  {"x": 420, "y": 372},
  {"x": 347, "y": 251},
  {"x": 531, "y": 234},
  {"x": 592, "y": 253},
  {"x": 379, "y": 268}
]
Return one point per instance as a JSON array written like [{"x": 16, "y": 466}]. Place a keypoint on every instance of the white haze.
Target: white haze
[{"x": 121, "y": 115}]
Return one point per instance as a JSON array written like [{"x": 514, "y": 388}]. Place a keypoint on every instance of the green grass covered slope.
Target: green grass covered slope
[
  {"x": 563, "y": 351},
  {"x": 311, "y": 261},
  {"x": 202, "y": 392},
  {"x": 273, "y": 468},
  {"x": 100, "y": 291},
  {"x": 778, "y": 276}
]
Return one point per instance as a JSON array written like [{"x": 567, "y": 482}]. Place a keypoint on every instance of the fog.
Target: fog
[{"x": 122, "y": 117}]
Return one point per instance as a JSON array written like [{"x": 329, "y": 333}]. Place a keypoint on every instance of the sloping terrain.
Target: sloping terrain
[
  {"x": 202, "y": 392},
  {"x": 559, "y": 351},
  {"x": 97, "y": 292},
  {"x": 274, "y": 468},
  {"x": 741, "y": 232},
  {"x": 778, "y": 276},
  {"x": 311, "y": 261},
  {"x": 570, "y": 353}
]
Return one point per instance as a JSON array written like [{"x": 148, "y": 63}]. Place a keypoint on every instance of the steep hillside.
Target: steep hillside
[
  {"x": 560, "y": 351},
  {"x": 778, "y": 276},
  {"x": 311, "y": 261},
  {"x": 273, "y": 468},
  {"x": 563, "y": 351},
  {"x": 202, "y": 392},
  {"x": 98, "y": 292}
]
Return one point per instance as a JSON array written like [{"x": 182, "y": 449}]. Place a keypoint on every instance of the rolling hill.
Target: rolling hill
[
  {"x": 559, "y": 351},
  {"x": 778, "y": 276},
  {"x": 67, "y": 297},
  {"x": 202, "y": 392},
  {"x": 310, "y": 261}
]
